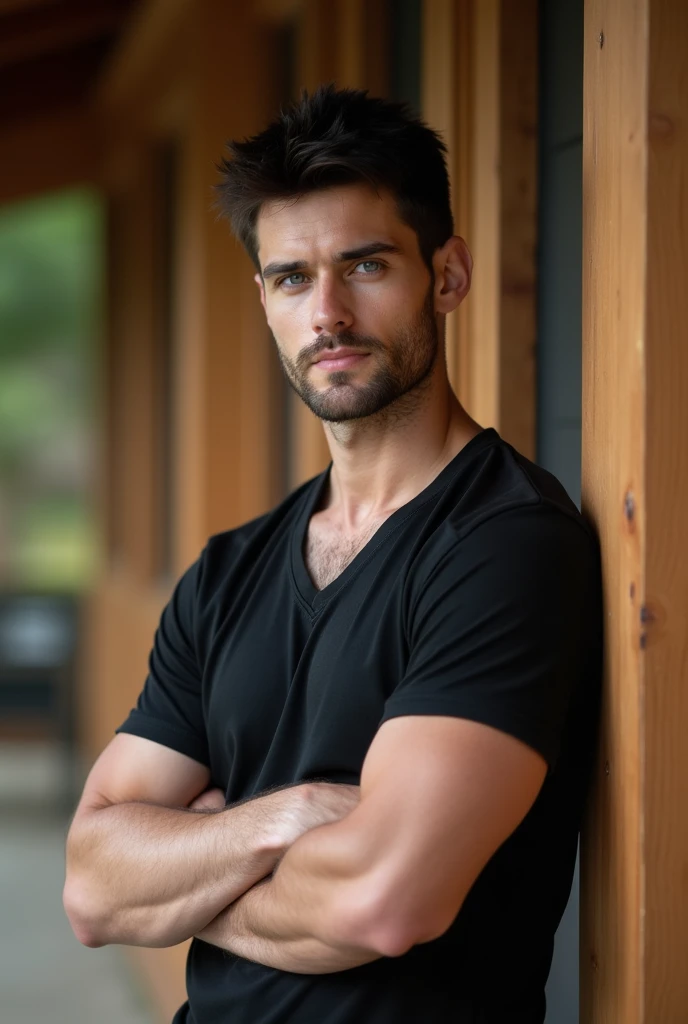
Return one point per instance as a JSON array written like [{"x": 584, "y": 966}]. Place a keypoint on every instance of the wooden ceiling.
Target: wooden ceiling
[{"x": 51, "y": 52}]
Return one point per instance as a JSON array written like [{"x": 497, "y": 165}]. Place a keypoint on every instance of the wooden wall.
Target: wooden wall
[
  {"x": 480, "y": 72},
  {"x": 634, "y": 931}
]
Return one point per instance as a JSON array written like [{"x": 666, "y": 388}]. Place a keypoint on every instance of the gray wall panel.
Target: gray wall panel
[
  {"x": 559, "y": 314},
  {"x": 559, "y": 339}
]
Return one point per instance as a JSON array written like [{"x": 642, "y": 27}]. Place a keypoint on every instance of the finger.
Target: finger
[{"x": 212, "y": 799}]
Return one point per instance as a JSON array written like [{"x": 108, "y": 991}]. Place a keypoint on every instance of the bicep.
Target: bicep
[
  {"x": 439, "y": 796},
  {"x": 132, "y": 768}
]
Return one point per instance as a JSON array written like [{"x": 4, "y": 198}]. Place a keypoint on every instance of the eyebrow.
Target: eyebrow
[{"x": 359, "y": 253}]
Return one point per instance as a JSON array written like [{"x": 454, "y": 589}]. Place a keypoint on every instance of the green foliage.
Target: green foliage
[
  {"x": 49, "y": 275},
  {"x": 50, "y": 300},
  {"x": 56, "y": 547}
]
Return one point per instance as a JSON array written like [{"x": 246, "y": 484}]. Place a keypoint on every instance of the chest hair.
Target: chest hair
[{"x": 328, "y": 551}]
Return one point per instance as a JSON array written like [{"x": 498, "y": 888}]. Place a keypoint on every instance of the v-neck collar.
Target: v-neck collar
[{"x": 315, "y": 599}]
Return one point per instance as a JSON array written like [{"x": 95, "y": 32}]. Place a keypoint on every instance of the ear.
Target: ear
[
  {"x": 453, "y": 266},
  {"x": 261, "y": 288}
]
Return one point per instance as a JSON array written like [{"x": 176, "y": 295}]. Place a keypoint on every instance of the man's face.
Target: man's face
[{"x": 348, "y": 299}]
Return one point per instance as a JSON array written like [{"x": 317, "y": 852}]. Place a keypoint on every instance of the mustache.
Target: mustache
[{"x": 330, "y": 342}]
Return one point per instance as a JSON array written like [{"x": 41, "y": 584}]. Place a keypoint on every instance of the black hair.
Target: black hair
[{"x": 338, "y": 137}]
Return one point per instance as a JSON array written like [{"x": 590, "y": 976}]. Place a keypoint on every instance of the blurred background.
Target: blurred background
[{"x": 141, "y": 404}]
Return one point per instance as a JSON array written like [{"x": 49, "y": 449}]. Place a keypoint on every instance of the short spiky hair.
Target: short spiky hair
[{"x": 338, "y": 137}]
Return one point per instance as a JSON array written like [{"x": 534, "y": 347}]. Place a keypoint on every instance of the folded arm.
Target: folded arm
[
  {"x": 144, "y": 869},
  {"x": 439, "y": 795}
]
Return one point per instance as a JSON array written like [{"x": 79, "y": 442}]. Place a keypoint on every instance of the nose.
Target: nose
[{"x": 332, "y": 313}]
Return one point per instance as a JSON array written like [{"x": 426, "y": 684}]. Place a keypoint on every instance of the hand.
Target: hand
[
  {"x": 292, "y": 812},
  {"x": 209, "y": 800},
  {"x": 302, "y": 808}
]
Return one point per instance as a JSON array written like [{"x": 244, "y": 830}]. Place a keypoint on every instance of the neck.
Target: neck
[{"x": 383, "y": 461}]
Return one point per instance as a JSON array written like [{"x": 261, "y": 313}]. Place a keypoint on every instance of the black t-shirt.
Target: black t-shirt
[{"x": 481, "y": 599}]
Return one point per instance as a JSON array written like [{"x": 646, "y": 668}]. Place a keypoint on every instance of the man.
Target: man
[{"x": 421, "y": 621}]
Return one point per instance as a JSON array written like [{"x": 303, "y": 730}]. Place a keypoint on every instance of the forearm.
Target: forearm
[
  {"x": 147, "y": 875},
  {"x": 310, "y": 917},
  {"x": 246, "y": 929}
]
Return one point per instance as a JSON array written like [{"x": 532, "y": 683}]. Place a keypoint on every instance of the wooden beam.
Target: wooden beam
[
  {"x": 12, "y": 6},
  {"x": 374, "y": 42},
  {"x": 480, "y": 90},
  {"x": 31, "y": 33},
  {"x": 666, "y": 480},
  {"x": 149, "y": 36},
  {"x": 133, "y": 372},
  {"x": 518, "y": 223},
  {"x": 316, "y": 46},
  {"x": 48, "y": 154},
  {"x": 444, "y": 30},
  {"x": 277, "y": 11},
  {"x": 459, "y": 339},
  {"x": 634, "y": 882},
  {"x": 350, "y": 35},
  {"x": 484, "y": 306},
  {"x": 44, "y": 86},
  {"x": 226, "y": 419}
]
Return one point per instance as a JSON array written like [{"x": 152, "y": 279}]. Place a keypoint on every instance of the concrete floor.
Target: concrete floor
[{"x": 45, "y": 974}]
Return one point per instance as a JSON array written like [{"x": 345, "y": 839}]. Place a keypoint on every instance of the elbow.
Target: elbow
[
  {"x": 394, "y": 936},
  {"x": 388, "y": 928},
  {"x": 82, "y": 902},
  {"x": 98, "y": 922},
  {"x": 85, "y": 925}
]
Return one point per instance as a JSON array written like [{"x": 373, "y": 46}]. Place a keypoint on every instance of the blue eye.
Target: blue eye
[
  {"x": 370, "y": 266},
  {"x": 290, "y": 279}
]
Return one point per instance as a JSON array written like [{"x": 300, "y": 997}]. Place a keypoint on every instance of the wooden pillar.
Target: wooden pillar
[
  {"x": 134, "y": 419},
  {"x": 226, "y": 423},
  {"x": 634, "y": 889},
  {"x": 445, "y": 87},
  {"x": 480, "y": 90}
]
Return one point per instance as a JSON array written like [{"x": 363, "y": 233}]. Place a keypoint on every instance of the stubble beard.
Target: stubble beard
[{"x": 405, "y": 368}]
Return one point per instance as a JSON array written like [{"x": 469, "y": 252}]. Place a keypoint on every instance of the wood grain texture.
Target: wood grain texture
[
  {"x": 460, "y": 324},
  {"x": 613, "y": 488},
  {"x": 226, "y": 421},
  {"x": 518, "y": 228},
  {"x": 484, "y": 308},
  {"x": 634, "y": 927},
  {"x": 663, "y": 627},
  {"x": 480, "y": 91},
  {"x": 441, "y": 98}
]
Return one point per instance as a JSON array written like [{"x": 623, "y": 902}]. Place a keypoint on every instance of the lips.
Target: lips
[{"x": 340, "y": 358}]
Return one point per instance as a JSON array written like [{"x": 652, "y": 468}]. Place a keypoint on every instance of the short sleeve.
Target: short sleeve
[
  {"x": 170, "y": 709},
  {"x": 501, "y": 630}
]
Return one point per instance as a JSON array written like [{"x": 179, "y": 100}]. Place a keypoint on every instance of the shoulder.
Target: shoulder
[
  {"x": 498, "y": 479},
  {"x": 496, "y": 490},
  {"x": 505, "y": 522}
]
